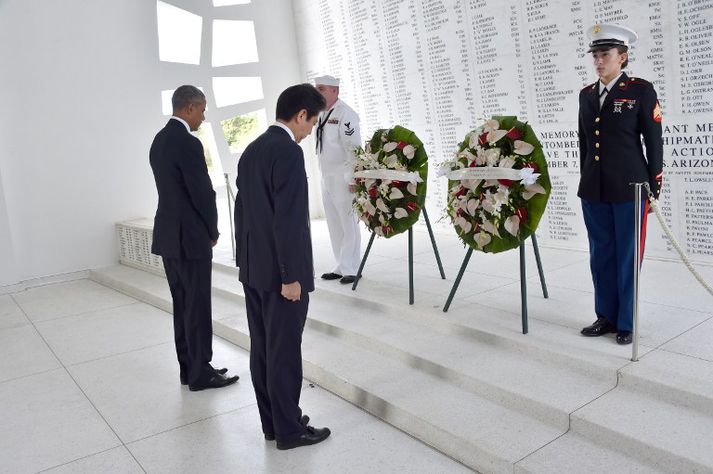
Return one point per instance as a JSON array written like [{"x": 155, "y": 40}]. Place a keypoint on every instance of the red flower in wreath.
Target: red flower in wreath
[{"x": 514, "y": 134}]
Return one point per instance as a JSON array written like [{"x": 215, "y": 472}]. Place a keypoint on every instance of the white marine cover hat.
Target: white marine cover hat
[
  {"x": 326, "y": 81},
  {"x": 610, "y": 35}
]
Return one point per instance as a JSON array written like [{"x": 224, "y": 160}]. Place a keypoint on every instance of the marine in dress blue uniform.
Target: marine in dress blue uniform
[{"x": 615, "y": 114}]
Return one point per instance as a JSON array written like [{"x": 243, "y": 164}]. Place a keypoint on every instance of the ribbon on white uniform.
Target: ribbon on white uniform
[
  {"x": 392, "y": 175},
  {"x": 526, "y": 175}
]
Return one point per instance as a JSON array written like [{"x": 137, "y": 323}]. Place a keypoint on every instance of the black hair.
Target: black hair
[
  {"x": 185, "y": 95},
  {"x": 299, "y": 97}
]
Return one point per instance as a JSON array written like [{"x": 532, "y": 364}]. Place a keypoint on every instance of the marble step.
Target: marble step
[
  {"x": 358, "y": 347},
  {"x": 545, "y": 341},
  {"x": 470, "y": 428},
  {"x": 658, "y": 419},
  {"x": 533, "y": 383}
]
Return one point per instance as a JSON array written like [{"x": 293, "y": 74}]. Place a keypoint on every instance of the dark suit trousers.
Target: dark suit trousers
[
  {"x": 190, "y": 284},
  {"x": 276, "y": 326}
]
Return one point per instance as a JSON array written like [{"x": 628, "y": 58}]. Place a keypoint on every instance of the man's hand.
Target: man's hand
[
  {"x": 213, "y": 243},
  {"x": 291, "y": 291},
  {"x": 352, "y": 188}
]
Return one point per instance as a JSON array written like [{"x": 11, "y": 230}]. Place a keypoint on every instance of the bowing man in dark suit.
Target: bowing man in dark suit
[
  {"x": 185, "y": 231},
  {"x": 274, "y": 253},
  {"x": 615, "y": 114}
]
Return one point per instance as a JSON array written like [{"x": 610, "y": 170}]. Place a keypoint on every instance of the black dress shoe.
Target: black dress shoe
[
  {"x": 331, "y": 276},
  {"x": 304, "y": 421},
  {"x": 600, "y": 327},
  {"x": 216, "y": 381},
  {"x": 623, "y": 337},
  {"x": 347, "y": 279},
  {"x": 223, "y": 371},
  {"x": 311, "y": 436}
]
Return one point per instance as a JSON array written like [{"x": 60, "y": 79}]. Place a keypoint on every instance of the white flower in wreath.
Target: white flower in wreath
[
  {"x": 463, "y": 223},
  {"x": 400, "y": 213},
  {"x": 512, "y": 225},
  {"x": 411, "y": 188},
  {"x": 369, "y": 208},
  {"x": 470, "y": 157},
  {"x": 507, "y": 162},
  {"x": 471, "y": 184},
  {"x": 490, "y": 228},
  {"x": 381, "y": 219},
  {"x": 391, "y": 161},
  {"x": 378, "y": 231},
  {"x": 364, "y": 218},
  {"x": 409, "y": 152},
  {"x": 492, "y": 156},
  {"x": 389, "y": 147},
  {"x": 492, "y": 127},
  {"x": 503, "y": 195},
  {"x": 489, "y": 202},
  {"x": 381, "y": 206},
  {"x": 473, "y": 139},
  {"x": 369, "y": 183},
  {"x": 396, "y": 193},
  {"x": 523, "y": 148},
  {"x": 531, "y": 190},
  {"x": 482, "y": 239},
  {"x": 471, "y": 206}
]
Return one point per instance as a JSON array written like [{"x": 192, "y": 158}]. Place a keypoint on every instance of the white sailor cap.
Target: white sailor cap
[
  {"x": 607, "y": 36},
  {"x": 326, "y": 81}
]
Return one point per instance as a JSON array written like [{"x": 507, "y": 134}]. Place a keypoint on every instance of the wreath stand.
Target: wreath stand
[
  {"x": 523, "y": 280},
  {"x": 410, "y": 256}
]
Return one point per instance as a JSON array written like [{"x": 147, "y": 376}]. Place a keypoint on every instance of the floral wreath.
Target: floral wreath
[
  {"x": 390, "y": 175},
  {"x": 498, "y": 185}
]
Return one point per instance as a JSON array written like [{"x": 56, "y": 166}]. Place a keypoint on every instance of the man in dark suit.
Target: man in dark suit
[
  {"x": 615, "y": 113},
  {"x": 185, "y": 231},
  {"x": 274, "y": 253}
]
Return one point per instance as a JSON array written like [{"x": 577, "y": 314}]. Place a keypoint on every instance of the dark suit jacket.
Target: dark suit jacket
[
  {"x": 611, "y": 155},
  {"x": 187, "y": 218},
  {"x": 272, "y": 231}
]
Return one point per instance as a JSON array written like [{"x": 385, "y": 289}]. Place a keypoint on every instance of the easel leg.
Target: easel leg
[
  {"x": 458, "y": 279},
  {"x": 539, "y": 266},
  {"x": 363, "y": 261},
  {"x": 410, "y": 265},
  {"x": 523, "y": 288},
  {"x": 433, "y": 243}
]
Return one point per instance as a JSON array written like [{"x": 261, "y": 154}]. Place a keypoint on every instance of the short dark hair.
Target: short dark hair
[
  {"x": 298, "y": 97},
  {"x": 185, "y": 95},
  {"x": 621, "y": 49}
]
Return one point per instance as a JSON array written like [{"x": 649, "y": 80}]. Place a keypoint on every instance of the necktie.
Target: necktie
[
  {"x": 320, "y": 130},
  {"x": 602, "y": 97}
]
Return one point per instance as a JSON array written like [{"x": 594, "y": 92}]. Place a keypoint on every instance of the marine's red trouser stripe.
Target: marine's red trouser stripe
[{"x": 643, "y": 231}]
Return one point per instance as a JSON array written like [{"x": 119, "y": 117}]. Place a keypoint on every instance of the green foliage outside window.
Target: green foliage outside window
[{"x": 240, "y": 130}]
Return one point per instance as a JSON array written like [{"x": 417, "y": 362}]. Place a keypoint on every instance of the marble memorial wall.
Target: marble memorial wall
[{"x": 439, "y": 67}]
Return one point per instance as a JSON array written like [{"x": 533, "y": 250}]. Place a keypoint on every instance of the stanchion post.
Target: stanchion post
[
  {"x": 637, "y": 268},
  {"x": 229, "y": 191}
]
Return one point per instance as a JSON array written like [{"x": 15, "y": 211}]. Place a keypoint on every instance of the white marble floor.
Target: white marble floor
[{"x": 89, "y": 383}]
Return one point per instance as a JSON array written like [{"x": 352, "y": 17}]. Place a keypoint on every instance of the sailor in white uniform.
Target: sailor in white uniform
[{"x": 337, "y": 137}]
